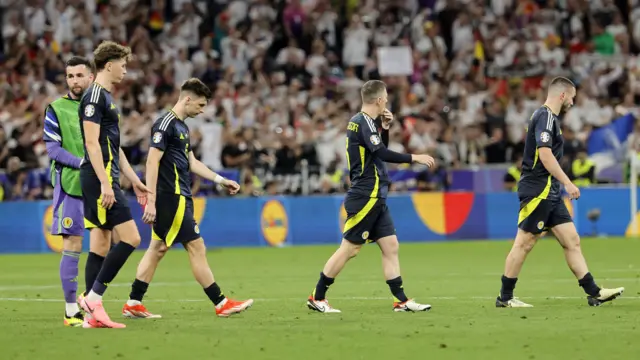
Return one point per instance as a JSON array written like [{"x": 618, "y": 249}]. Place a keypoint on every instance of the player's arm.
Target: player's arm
[
  {"x": 544, "y": 140},
  {"x": 200, "y": 169},
  {"x": 53, "y": 140},
  {"x": 92, "y": 116},
  {"x": 152, "y": 168},
  {"x": 373, "y": 142}
]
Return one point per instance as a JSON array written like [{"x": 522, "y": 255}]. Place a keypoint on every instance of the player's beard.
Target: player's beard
[
  {"x": 565, "y": 107},
  {"x": 77, "y": 91}
]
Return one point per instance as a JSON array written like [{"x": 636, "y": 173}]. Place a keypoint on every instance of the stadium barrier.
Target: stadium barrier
[{"x": 312, "y": 220}]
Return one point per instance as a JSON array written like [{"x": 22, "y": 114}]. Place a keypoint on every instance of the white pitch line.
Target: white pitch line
[{"x": 56, "y": 286}]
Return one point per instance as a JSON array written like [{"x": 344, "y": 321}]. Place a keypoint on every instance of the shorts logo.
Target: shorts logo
[
  {"x": 196, "y": 229},
  {"x": 157, "y": 137},
  {"x": 89, "y": 110},
  {"x": 67, "y": 223},
  {"x": 365, "y": 235},
  {"x": 375, "y": 139},
  {"x": 540, "y": 225},
  {"x": 545, "y": 137}
]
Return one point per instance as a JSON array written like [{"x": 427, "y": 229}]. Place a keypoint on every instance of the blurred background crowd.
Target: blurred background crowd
[{"x": 464, "y": 76}]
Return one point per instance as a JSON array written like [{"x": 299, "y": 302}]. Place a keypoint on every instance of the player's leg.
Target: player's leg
[
  {"x": 71, "y": 250},
  {"x": 204, "y": 276},
  {"x": 99, "y": 245},
  {"x": 68, "y": 222},
  {"x": 565, "y": 231},
  {"x": 532, "y": 219},
  {"x": 119, "y": 217},
  {"x": 166, "y": 227},
  {"x": 134, "y": 308},
  {"x": 361, "y": 214},
  {"x": 384, "y": 234},
  {"x": 317, "y": 300}
]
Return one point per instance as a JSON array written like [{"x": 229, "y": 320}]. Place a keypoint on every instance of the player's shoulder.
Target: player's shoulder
[
  {"x": 165, "y": 121},
  {"x": 94, "y": 94},
  {"x": 542, "y": 113}
]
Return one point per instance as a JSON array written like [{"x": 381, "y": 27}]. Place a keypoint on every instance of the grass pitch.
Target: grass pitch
[{"x": 460, "y": 280}]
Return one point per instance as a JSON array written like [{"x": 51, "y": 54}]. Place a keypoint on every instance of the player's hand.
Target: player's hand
[
  {"x": 387, "y": 119},
  {"x": 573, "y": 191},
  {"x": 149, "y": 216},
  {"x": 232, "y": 186},
  {"x": 424, "y": 160},
  {"x": 141, "y": 191},
  {"x": 107, "y": 195}
]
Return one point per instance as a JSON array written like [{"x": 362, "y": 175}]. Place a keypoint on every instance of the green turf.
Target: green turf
[{"x": 460, "y": 280}]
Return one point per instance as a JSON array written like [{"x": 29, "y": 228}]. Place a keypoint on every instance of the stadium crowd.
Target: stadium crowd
[{"x": 463, "y": 76}]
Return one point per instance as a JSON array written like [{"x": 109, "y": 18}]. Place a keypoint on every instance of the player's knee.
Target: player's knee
[
  {"x": 196, "y": 248},
  {"x": 133, "y": 240},
  {"x": 159, "y": 249},
  {"x": 354, "y": 251},
  {"x": 72, "y": 243},
  {"x": 526, "y": 242},
  {"x": 391, "y": 248},
  {"x": 571, "y": 242},
  {"x": 350, "y": 248}
]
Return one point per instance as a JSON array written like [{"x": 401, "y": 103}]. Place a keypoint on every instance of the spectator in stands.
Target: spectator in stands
[
  {"x": 496, "y": 149},
  {"x": 512, "y": 176},
  {"x": 583, "y": 170},
  {"x": 436, "y": 178},
  {"x": 293, "y": 68}
]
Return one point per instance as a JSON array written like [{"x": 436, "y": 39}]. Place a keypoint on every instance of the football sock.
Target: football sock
[
  {"x": 91, "y": 270},
  {"x": 395, "y": 285},
  {"x": 71, "y": 309},
  {"x": 323, "y": 285},
  {"x": 508, "y": 284},
  {"x": 138, "y": 289},
  {"x": 69, "y": 275},
  {"x": 589, "y": 285},
  {"x": 112, "y": 265},
  {"x": 215, "y": 294}
]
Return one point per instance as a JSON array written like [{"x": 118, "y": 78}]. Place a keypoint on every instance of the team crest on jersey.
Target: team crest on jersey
[
  {"x": 89, "y": 110},
  {"x": 375, "y": 139},
  {"x": 540, "y": 225},
  {"x": 545, "y": 137},
  {"x": 67, "y": 222},
  {"x": 157, "y": 137},
  {"x": 365, "y": 235}
]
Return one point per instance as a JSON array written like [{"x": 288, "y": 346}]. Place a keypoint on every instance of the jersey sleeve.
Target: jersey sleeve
[
  {"x": 160, "y": 133},
  {"x": 543, "y": 127},
  {"x": 51, "y": 126},
  {"x": 92, "y": 106},
  {"x": 370, "y": 136}
]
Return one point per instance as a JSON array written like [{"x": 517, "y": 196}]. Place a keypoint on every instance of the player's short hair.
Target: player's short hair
[
  {"x": 197, "y": 87},
  {"x": 109, "y": 51},
  {"x": 371, "y": 90},
  {"x": 561, "y": 82},
  {"x": 79, "y": 60}
]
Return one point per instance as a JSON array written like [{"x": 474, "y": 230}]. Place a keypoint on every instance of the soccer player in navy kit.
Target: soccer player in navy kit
[
  {"x": 106, "y": 209},
  {"x": 170, "y": 163},
  {"x": 541, "y": 204},
  {"x": 368, "y": 218}
]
